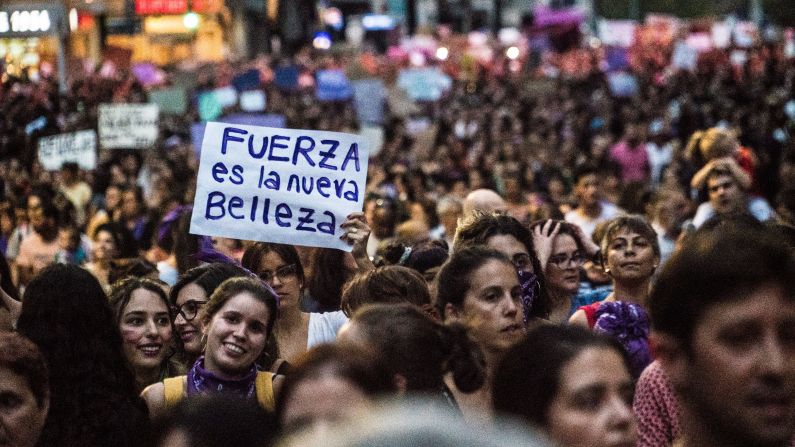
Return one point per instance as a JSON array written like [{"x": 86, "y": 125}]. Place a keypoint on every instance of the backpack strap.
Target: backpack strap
[
  {"x": 174, "y": 390},
  {"x": 264, "y": 390}
]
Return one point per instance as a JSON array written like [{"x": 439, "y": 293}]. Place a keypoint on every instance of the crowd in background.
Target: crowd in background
[{"x": 525, "y": 205}]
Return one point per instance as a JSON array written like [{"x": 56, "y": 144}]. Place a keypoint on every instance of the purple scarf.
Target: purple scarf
[
  {"x": 629, "y": 324},
  {"x": 529, "y": 283},
  {"x": 201, "y": 381}
]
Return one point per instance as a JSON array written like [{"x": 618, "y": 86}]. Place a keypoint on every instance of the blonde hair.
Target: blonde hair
[{"x": 712, "y": 143}]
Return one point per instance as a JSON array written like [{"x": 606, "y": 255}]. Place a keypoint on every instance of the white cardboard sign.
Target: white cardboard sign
[
  {"x": 79, "y": 147},
  {"x": 278, "y": 185},
  {"x": 128, "y": 126}
]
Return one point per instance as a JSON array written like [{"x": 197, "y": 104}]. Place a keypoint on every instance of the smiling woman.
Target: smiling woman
[
  {"x": 142, "y": 313},
  {"x": 236, "y": 323}
]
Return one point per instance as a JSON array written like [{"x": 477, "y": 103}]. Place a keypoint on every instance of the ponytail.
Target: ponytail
[{"x": 464, "y": 358}]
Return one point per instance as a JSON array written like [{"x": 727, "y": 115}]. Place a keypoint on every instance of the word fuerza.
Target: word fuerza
[{"x": 309, "y": 155}]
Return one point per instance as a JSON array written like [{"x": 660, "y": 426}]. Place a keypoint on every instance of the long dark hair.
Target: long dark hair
[
  {"x": 327, "y": 276},
  {"x": 528, "y": 377},
  {"x": 93, "y": 396}
]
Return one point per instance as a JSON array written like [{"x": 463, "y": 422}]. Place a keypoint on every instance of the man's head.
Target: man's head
[
  {"x": 484, "y": 200},
  {"x": 725, "y": 193},
  {"x": 587, "y": 185},
  {"x": 723, "y": 313}
]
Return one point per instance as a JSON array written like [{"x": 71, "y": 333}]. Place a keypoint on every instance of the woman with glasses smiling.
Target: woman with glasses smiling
[{"x": 188, "y": 297}]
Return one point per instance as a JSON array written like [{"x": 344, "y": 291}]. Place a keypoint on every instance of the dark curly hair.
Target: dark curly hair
[{"x": 93, "y": 399}]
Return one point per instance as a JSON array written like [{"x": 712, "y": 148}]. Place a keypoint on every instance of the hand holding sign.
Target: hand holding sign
[
  {"x": 278, "y": 185},
  {"x": 357, "y": 233}
]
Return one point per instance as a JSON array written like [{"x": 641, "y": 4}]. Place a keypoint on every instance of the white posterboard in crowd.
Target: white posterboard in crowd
[
  {"x": 79, "y": 147},
  {"x": 128, "y": 126},
  {"x": 278, "y": 185}
]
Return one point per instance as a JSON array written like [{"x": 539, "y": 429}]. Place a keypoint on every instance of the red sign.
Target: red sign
[
  {"x": 145, "y": 7},
  {"x": 206, "y": 6}
]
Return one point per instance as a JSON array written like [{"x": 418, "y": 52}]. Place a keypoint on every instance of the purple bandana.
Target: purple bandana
[
  {"x": 628, "y": 323},
  {"x": 529, "y": 283},
  {"x": 201, "y": 381}
]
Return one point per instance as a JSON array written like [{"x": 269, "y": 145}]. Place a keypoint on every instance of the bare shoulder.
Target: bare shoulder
[
  {"x": 155, "y": 397},
  {"x": 579, "y": 319}
]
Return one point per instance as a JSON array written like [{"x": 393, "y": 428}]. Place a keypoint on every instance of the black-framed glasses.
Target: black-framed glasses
[
  {"x": 189, "y": 309},
  {"x": 284, "y": 273},
  {"x": 562, "y": 260},
  {"x": 523, "y": 261}
]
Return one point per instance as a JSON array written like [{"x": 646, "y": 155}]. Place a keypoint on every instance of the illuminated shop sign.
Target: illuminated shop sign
[
  {"x": 146, "y": 7},
  {"x": 30, "y": 21},
  {"x": 173, "y": 7}
]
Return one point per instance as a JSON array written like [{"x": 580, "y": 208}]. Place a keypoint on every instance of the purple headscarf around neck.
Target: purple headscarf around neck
[
  {"x": 202, "y": 381},
  {"x": 528, "y": 281}
]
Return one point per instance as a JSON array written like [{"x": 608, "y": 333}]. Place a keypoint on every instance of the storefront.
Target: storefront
[
  {"x": 30, "y": 34},
  {"x": 175, "y": 30}
]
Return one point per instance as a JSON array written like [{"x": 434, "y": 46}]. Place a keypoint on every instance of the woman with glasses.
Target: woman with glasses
[
  {"x": 295, "y": 331},
  {"x": 236, "y": 324},
  {"x": 188, "y": 297},
  {"x": 562, "y": 248},
  {"x": 631, "y": 254},
  {"x": 508, "y": 236},
  {"x": 141, "y": 310}
]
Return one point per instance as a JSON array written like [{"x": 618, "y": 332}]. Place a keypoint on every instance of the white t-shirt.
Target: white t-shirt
[
  {"x": 587, "y": 224},
  {"x": 323, "y": 327}
]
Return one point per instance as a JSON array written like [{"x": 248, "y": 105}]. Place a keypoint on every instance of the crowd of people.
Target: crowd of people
[{"x": 539, "y": 261}]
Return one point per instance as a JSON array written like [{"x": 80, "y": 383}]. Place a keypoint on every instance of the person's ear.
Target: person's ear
[
  {"x": 432, "y": 311},
  {"x": 451, "y": 313},
  {"x": 400, "y": 383},
  {"x": 672, "y": 356}
]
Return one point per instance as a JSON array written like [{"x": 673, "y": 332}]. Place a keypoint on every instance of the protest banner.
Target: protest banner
[
  {"x": 278, "y": 185},
  {"x": 209, "y": 107},
  {"x": 424, "y": 84},
  {"x": 248, "y": 80},
  {"x": 249, "y": 119},
  {"x": 622, "y": 84},
  {"x": 79, "y": 147},
  {"x": 130, "y": 126},
  {"x": 286, "y": 77},
  {"x": 333, "y": 85},
  {"x": 620, "y": 33},
  {"x": 685, "y": 57},
  {"x": 253, "y": 101},
  {"x": 172, "y": 100},
  {"x": 369, "y": 95}
]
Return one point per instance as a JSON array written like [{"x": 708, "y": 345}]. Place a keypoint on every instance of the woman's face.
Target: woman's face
[
  {"x": 145, "y": 327},
  {"x": 563, "y": 267},
  {"x": 492, "y": 309},
  {"x": 283, "y": 278},
  {"x": 21, "y": 418},
  {"x": 112, "y": 198},
  {"x": 318, "y": 403},
  {"x": 593, "y": 405},
  {"x": 630, "y": 257},
  {"x": 513, "y": 249},
  {"x": 190, "y": 300},
  {"x": 104, "y": 246},
  {"x": 236, "y": 336}
]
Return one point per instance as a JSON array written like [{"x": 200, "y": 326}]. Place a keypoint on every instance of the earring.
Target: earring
[{"x": 204, "y": 339}]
